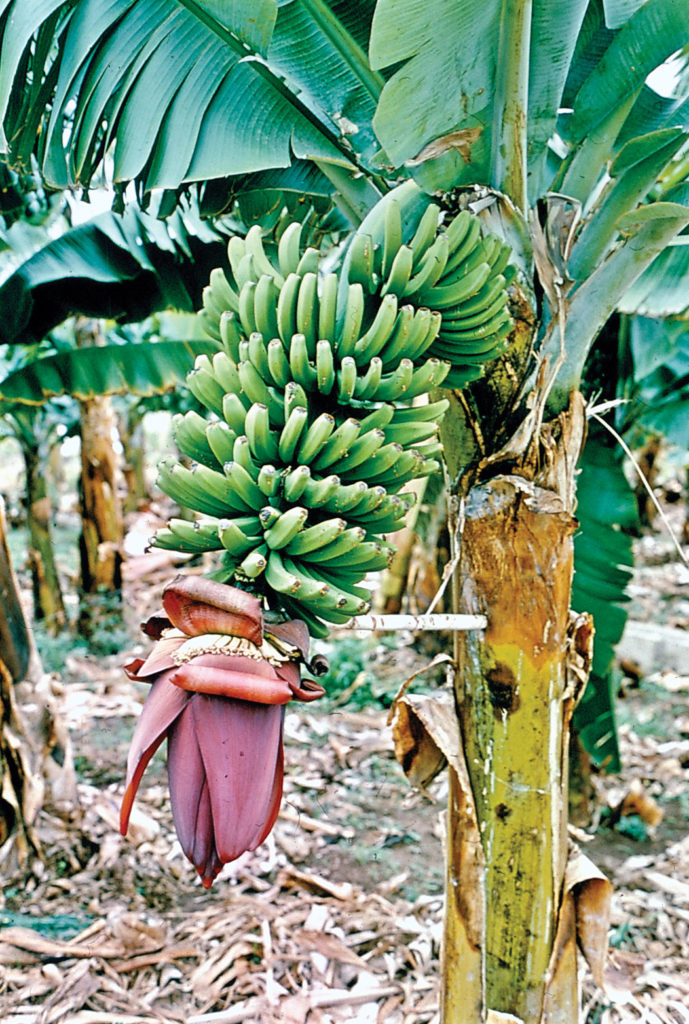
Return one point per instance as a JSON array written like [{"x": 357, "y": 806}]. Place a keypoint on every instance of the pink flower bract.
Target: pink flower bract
[{"x": 220, "y": 680}]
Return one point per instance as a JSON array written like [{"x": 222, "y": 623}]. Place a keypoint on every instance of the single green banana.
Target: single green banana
[
  {"x": 316, "y": 536},
  {"x": 382, "y": 461},
  {"x": 295, "y": 482},
  {"x": 400, "y": 273},
  {"x": 421, "y": 413},
  {"x": 318, "y": 492},
  {"x": 230, "y": 333},
  {"x": 210, "y": 325},
  {"x": 346, "y": 497},
  {"x": 236, "y": 540},
  {"x": 367, "y": 385},
  {"x": 205, "y": 388},
  {"x": 315, "y": 437},
  {"x": 277, "y": 576},
  {"x": 309, "y": 262},
  {"x": 289, "y": 249},
  {"x": 291, "y": 433},
  {"x": 257, "y": 353},
  {"x": 352, "y": 321},
  {"x": 373, "y": 497},
  {"x": 360, "y": 451},
  {"x": 278, "y": 363},
  {"x": 252, "y": 385},
  {"x": 410, "y": 434},
  {"x": 337, "y": 444},
  {"x": 254, "y": 245},
  {"x": 307, "y": 312},
  {"x": 346, "y": 380},
  {"x": 452, "y": 296},
  {"x": 302, "y": 370},
  {"x": 361, "y": 268},
  {"x": 393, "y": 386},
  {"x": 429, "y": 375},
  {"x": 431, "y": 267},
  {"x": 367, "y": 556},
  {"x": 286, "y": 527},
  {"x": 378, "y": 419},
  {"x": 236, "y": 250},
  {"x": 266, "y": 295},
  {"x": 246, "y": 272},
  {"x": 286, "y": 310},
  {"x": 374, "y": 339},
  {"x": 327, "y": 308},
  {"x": 325, "y": 366},
  {"x": 425, "y": 232},
  {"x": 269, "y": 479},
  {"x": 392, "y": 236},
  {"x": 262, "y": 439},
  {"x": 247, "y": 315},
  {"x": 241, "y": 453},
  {"x": 419, "y": 344},
  {"x": 294, "y": 395},
  {"x": 395, "y": 347},
  {"x": 268, "y": 516},
  {"x": 254, "y": 563},
  {"x": 221, "y": 438},
  {"x": 234, "y": 412}
]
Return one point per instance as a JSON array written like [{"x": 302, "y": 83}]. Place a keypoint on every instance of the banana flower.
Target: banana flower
[{"x": 220, "y": 677}]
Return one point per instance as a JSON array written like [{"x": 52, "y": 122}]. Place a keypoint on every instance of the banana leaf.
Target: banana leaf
[
  {"x": 603, "y": 563},
  {"x": 131, "y": 369}
]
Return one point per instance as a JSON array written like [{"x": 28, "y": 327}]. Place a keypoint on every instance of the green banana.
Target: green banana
[
  {"x": 378, "y": 419},
  {"x": 254, "y": 563},
  {"x": 224, "y": 370},
  {"x": 421, "y": 413},
  {"x": 327, "y": 307},
  {"x": 352, "y": 321},
  {"x": 366, "y": 556},
  {"x": 278, "y": 363},
  {"x": 315, "y": 437},
  {"x": 409, "y": 434},
  {"x": 291, "y": 433},
  {"x": 325, "y": 366},
  {"x": 429, "y": 375},
  {"x": 463, "y": 237},
  {"x": 308, "y": 262},
  {"x": 294, "y": 395},
  {"x": 266, "y": 295},
  {"x": 307, "y": 312},
  {"x": 360, "y": 451},
  {"x": 346, "y": 380},
  {"x": 205, "y": 388},
  {"x": 419, "y": 344},
  {"x": 346, "y": 497},
  {"x": 371, "y": 498},
  {"x": 268, "y": 515},
  {"x": 234, "y": 412},
  {"x": 360, "y": 256},
  {"x": 236, "y": 251},
  {"x": 256, "y": 352},
  {"x": 286, "y": 310},
  {"x": 377, "y": 335},
  {"x": 344, "y": 544},
  {"x": 295, "y": 482},
  {"x": 286, "y": 527},
  {"x": 235, "y": 540},
  {"x": 195, "y": 537},
  {"x": 252, "y": 385},
  {"x": 400, "y": 273},
  {"x": 487, "y": 312},
  {"x": 337, "y": 444},
  {"x": 289, "y": 249},
  {"x": 318, "y": 492},
  {"x": 247, "y": 316},
  {"x": 230, "y": 333},
  {"x": 452, "y": 296},
  {"x": 246, "y": 272},
  {"x": 278, "y": 578},
  {"x": 395, "y": 348},
  {"x": 221, "y": 438},
  {"x": 262, "y": 439},
  {"x": 316, "y": 536},
  {"x": 302, "y": 370},
  {"x": 367, "y": 385},
  {"x": 268, "y": 480},
  {"x": 392, "y": 236},
  {"x": 425, "y": 231},
  {"x": 393, "y": 386},
  {"x": 241, "y": 453},
  {"x": 254, "y": 244},
  {"x": 187, "y": 487}
]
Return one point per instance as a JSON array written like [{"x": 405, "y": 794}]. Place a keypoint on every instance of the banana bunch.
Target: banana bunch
[
  {"x": 311, "y": 428},
  {"x": 454, "y": 270}
]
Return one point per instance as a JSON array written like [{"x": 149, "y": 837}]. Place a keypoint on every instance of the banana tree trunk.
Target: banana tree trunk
[
  {"x": 131, "y": 430},
  {"x": 48, "y": 604},
  {"x": 100, "y": 542},
  {"x": 508, "y": 954}
]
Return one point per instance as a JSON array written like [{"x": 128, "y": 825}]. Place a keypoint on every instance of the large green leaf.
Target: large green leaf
[
  {"x": 130, "y": 369},
  {"x": 602, "y": 559},
  {"x": 119, "y": 267},
  {"x": 663, "y": 288},
  {"x": 190, "y": 91}
]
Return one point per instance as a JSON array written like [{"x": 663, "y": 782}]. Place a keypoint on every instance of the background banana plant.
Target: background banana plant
[{"x": 542, "y": 120}]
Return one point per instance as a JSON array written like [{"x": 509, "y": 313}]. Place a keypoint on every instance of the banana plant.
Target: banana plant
[{"x": 502, "y": 163}]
